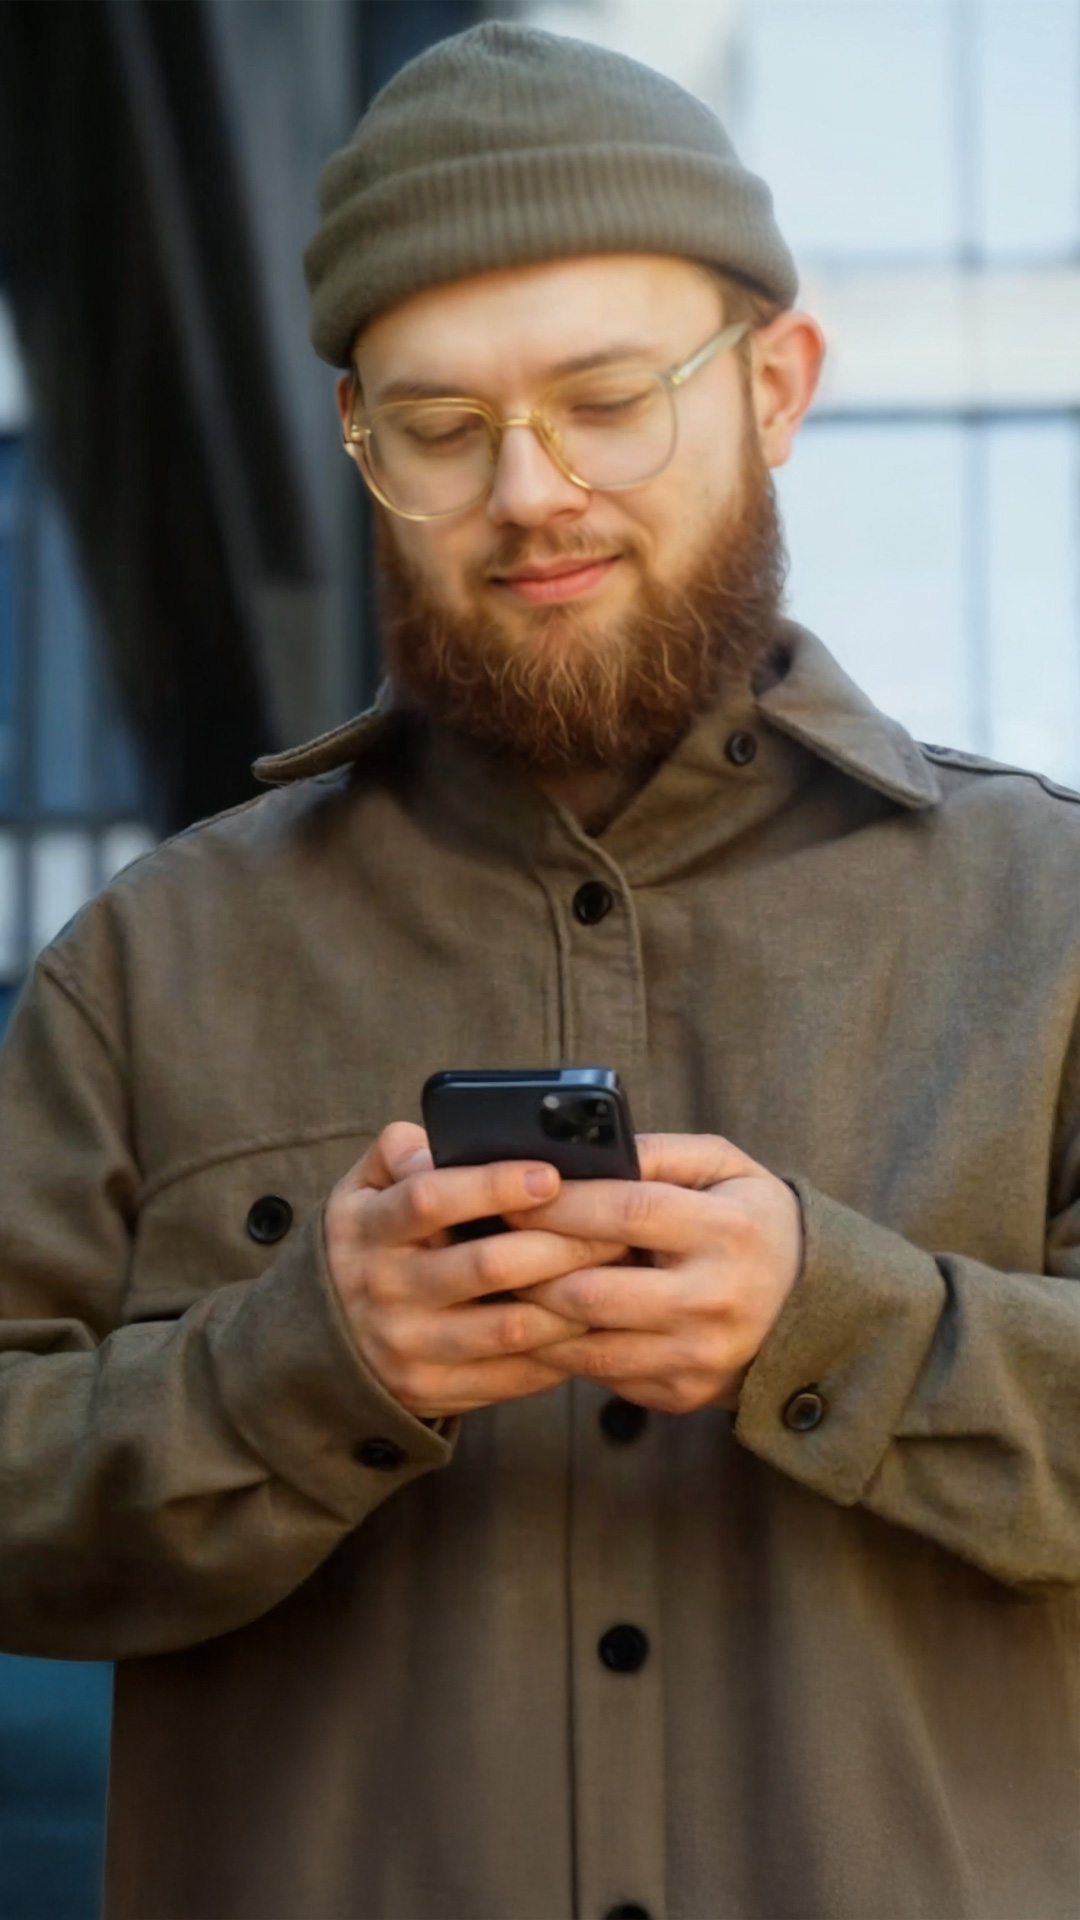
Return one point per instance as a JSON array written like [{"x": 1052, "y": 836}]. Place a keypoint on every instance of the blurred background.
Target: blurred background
[{"x": 184, "y": 553}]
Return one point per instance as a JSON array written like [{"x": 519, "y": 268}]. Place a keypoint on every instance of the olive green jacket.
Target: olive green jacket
[{"x": 362, "y": 1682}]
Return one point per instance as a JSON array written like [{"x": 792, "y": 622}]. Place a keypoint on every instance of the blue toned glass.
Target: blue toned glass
[
  {"x": 54, "y": 1734},
  {"x": 10, "y": 471},
  {"x": 878, "y": 527},
  {"x": 1032, "y": 549},
  {"x": 1026, "y": 62},
  {"x": 847, "y": 107}
]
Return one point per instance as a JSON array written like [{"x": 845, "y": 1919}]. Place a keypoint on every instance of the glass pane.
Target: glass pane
[
  {"x": 62, "y": 719},
  {"x": 62, "y": 877},
  {"x": 119, "y": 770},
  {"x": 54, "y": 1735},
  {"x": 1032, "y": 491},
  {"x": 122, "y": 844},
  {"x": 1027, "y": 63},
  {"x": 12, "y": 957},
  {"x": 876, "y": 518},
  {"x": 10, "y": 466},
  {"x": 848, "y": 109}
]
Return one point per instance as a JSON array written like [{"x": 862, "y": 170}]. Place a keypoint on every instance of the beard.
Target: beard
[{"x": 574, "y": 697}]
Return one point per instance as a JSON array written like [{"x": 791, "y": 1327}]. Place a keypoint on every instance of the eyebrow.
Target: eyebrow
[{"x": 578, "y": 363}]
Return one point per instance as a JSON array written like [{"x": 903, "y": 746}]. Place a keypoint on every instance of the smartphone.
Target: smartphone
[{"x": 578, "y": 1118}]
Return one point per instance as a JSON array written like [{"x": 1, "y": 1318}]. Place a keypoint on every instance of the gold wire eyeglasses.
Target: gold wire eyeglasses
[{"x": 608, "y": 429}]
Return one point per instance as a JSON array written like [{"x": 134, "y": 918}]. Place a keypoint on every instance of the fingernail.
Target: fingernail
[{"x": 540, "y": 1180}]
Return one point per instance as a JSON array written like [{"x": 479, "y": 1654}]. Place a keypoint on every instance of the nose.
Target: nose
[{"x": 529, "y": 489}]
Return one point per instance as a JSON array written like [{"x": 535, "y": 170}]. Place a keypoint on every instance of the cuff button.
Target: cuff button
[
  {"x": 384, "y": 1455},
  {"x": 805, "y": 1410},
  {"x": 269, "y": 1219}
]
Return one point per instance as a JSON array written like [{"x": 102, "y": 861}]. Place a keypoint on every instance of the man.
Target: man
[{"x": 730, "y": 1567}]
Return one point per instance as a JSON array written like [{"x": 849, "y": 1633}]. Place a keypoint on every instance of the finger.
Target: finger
[
  {"x": 487, "y": 1383},
  {"x": 510, "y": 1327},
  {"x": 612, "y": 1356},
  {"x": 692, "y": 1159},
  {"x": 427, "y": 1203},
  {"x": 506, "y": 1263},
  {"x": 641, "y": 1299},
  {"x": 641, "y": 1213},
  {"x": 383, "y": 1163}
]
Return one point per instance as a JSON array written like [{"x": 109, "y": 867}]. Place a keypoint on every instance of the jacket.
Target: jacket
[{"x": 363, "y": 1681}]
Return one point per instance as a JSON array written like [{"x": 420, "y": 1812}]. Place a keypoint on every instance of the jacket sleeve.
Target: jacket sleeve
[
  {"x": 163, "y": 1482},
  {"x": 950, "y": 1390}
]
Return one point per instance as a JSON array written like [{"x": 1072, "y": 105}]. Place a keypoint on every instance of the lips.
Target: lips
[{"x": 561, "y": 580}]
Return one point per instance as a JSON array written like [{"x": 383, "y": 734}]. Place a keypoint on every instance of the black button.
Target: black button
[
  {"x": 741, "y": 748},
  {"x": 623, "y": 1649},
  {"x": 628, "y": 1910},
  {"x": 622, "y": 1420},
  {"x": 385, "y": 1455},
  {"x": 269, "y": 1219},
  {"x": 592, "y": 902},
  {"x": 805, "y": 1411}
]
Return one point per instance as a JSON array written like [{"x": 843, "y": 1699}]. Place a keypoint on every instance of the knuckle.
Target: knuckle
[
  {"x": 382, "y": 1281},
  {"x": 589, "y": 1295},
  {"x": 397, "y": 1138},
  {"x": 423, "y": 1199},
  {"x": 599, "y": 1362},
  {"x": 491, "y": 1263},
  {"x": 415, "y": 1382},
  {"x": 740, "y": 1228},
  {"x": 515, "y": 1330},
  {"x": 639, "y": 1204}
]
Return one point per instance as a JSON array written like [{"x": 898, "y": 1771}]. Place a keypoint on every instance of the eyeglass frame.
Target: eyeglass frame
[{"x": 671, "y": 378}]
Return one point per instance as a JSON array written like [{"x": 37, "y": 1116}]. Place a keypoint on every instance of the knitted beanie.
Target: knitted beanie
[{"x": 504, "y": 146}]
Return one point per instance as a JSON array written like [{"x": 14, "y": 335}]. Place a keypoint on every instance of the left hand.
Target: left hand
[{"x": 725, "y": 1240}]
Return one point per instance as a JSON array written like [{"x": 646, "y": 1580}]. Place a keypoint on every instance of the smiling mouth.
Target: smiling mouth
[{"x": 563, "y": 580}]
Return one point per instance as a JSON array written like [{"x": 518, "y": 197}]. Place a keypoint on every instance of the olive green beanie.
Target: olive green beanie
[{"x": 504, "y": 146}]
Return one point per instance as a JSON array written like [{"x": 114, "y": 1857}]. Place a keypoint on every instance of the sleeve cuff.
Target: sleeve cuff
[
  {"x": 300, "y": 1395},
  {"x": 855, "y": 1332}
]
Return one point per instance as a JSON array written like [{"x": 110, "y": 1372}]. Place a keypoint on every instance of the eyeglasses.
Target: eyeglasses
[{"x": 609, "y": 429}]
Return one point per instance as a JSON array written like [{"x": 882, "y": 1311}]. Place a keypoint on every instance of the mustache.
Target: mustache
[{"x": 521, "y": 548}]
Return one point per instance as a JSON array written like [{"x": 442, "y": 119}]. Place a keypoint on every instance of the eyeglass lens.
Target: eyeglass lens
[{"x": 613, "y": 428}]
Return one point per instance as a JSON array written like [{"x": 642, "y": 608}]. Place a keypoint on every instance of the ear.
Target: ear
[
  {"x": 345, "y": 394},
  {"x": 786, "y": 366}
]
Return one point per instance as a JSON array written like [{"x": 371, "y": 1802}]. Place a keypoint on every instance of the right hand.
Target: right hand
[{"x": 413, "y": 1296}]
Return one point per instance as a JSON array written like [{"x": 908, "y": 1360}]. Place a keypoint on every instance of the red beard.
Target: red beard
[{"x": 569, "y": 699}]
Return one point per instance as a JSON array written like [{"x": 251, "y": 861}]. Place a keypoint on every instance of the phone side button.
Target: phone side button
[{"x": 622, "y": 1420}]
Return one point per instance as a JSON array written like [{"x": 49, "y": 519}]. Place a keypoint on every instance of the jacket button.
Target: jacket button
[
  {"x": 623, "y": 1649},
  {"x": 805, "y": 1410},
  {"x": 628, "y": 1910},
  {"x": 593, "y": 902},
  {"x": 622, "y": 1420},
  {"x": 269, "y": 1219},
  {"x": 384, "y": 1455},
  {"x": 741, "y": 748}
]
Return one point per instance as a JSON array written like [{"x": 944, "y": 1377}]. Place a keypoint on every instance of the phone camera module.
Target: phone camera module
[{"x": 581, "y": 1118}]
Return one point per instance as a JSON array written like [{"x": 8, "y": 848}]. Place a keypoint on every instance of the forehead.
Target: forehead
[{"x": 521, "y": 323}]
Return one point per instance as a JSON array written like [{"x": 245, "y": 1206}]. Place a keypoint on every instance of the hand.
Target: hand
[
  {"x": 725, "y": 1237},
  {"x": 411, "y": 1294}
]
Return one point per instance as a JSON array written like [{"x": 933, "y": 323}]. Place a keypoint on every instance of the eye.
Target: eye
[
  {"x": 442, "y": 433},
  {"x": 620, "y": 404}
]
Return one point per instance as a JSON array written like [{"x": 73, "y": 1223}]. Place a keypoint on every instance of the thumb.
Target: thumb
[
  {"x": 692, "y": 1159},
  {"x": 400, "y": 1149}
]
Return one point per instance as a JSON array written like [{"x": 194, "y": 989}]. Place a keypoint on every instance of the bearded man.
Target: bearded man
[{"x": 729, "y": 1566}]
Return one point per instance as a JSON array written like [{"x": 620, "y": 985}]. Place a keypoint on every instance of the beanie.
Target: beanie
[{"x": 504, "y": 146}]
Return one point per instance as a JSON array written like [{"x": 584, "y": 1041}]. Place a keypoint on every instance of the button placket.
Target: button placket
[{"x": 615, "y": 1668}]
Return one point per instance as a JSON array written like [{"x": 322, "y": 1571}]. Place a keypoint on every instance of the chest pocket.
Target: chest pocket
[{"x": 228, "y": 1220}]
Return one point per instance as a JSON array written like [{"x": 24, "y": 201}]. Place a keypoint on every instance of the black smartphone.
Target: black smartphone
[{"x": 578, "y": 1118}]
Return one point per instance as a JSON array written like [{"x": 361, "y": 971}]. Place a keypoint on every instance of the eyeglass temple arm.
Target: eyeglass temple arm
[{"x": 730, "y": 337}]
